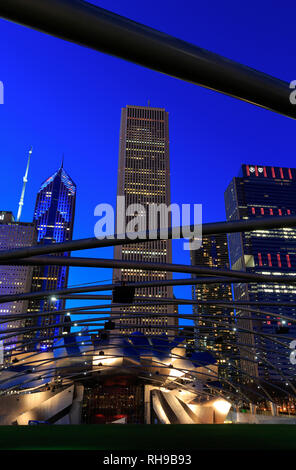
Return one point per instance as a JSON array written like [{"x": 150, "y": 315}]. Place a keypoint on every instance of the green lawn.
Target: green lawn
[{"x": 145, "y": 437}]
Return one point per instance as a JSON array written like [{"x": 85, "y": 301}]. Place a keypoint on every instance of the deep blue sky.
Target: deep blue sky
[{"x": 60, "y": 97}]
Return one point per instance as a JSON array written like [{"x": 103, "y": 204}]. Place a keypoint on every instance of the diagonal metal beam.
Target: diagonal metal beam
[{"x": 88, "y": 25}]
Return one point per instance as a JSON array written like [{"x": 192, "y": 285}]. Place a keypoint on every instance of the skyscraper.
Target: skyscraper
[
  {"x": 264, "y": 191},
  {"x": 54, "y": 218},
  {"x": 144, "y": 178},
  {"x": 212, "y": 329},
  {"x": 14, "y": 279}
]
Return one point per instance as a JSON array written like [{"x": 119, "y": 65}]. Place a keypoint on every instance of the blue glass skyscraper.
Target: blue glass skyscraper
[{"x": 54, "y": 218}]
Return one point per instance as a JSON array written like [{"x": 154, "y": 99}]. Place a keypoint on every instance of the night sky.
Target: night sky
[{"x": 63, "y": 98}]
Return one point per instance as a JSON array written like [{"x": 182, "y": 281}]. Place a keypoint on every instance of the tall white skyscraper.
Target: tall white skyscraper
[{"x": 144, "y": 178}]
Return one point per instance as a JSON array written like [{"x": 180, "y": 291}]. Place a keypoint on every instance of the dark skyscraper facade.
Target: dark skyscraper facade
[
  {"x": 144, "y": 178},
  {"x": 54, "y": 218},
  {"x": 264, "y": 191},
  {"x": 14, "y": 279},
  {"x": 212, "y": 332}
]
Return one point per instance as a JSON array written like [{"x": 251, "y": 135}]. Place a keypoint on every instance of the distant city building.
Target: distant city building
[
  {"x": 264, "y": 191},
  {"x": 144, "y": 178},
  {"x": 187, "y": 332},
  {"x": 212, "y": 331},
  {"x": 54, "y": 218},
  {"x": 14, "y": 279}
]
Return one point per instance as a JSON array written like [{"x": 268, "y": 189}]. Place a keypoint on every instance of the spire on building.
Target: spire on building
[{"x": 25, "y": 180}]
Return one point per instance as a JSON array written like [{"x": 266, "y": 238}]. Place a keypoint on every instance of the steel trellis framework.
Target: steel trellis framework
[{"x": 91, "y": 26}]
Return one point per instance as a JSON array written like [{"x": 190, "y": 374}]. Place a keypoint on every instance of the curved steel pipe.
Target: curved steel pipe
[
  {"x": 88, "y": 25},
  {"x": 210, "y": 228},
  {"x": 108, "y": 287},
  {"x": 245, "y": 277}
]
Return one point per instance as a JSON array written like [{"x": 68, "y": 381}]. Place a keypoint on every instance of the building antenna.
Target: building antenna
[
  {"x": 62, "y": 163},
  {"x": 25, "y": 180},
  {"x": 148, "y": 103}
]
